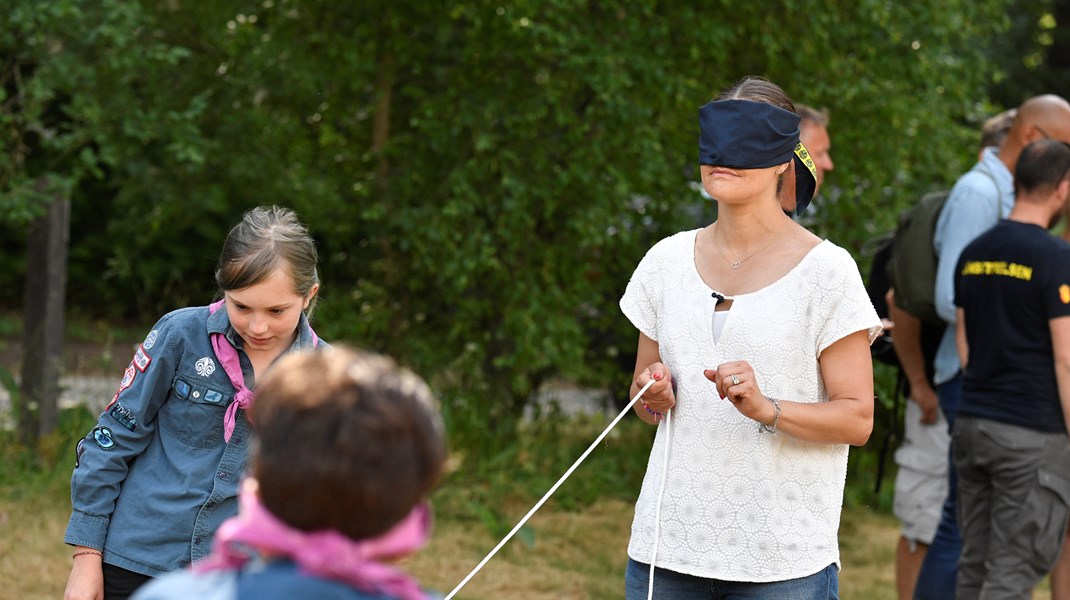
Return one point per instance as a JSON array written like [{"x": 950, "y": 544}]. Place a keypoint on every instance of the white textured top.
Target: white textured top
[{"x": 741, "y": 505}]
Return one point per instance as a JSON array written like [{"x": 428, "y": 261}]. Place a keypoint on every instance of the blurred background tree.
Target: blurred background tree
[
  {"x": 482, "y": 177},
  {"x": 83, "y": 109}
]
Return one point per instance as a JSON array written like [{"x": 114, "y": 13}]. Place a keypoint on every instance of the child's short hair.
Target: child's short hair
[{"x": 347, "y": 440}]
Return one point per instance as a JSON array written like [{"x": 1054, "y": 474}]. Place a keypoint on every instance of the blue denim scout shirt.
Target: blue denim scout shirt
[
  {"x": 154, "y": 479},
  {"x": 279, "y": 579}
]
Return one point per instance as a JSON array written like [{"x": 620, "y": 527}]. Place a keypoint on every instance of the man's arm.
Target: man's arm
[
  {"x": 907, "y": 344},
  {"x": 1060, "y": 342},
  {"x": 961, "y": 344}
]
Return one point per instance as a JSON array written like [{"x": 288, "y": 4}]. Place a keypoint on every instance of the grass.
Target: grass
[
  {"x": 34, "y": 563},
  {"x": 34, "y": 506},
  {"x": 574, "y": 547},
  {"x": 867, "y": 551},
  {"x": 579, "y": 555}
]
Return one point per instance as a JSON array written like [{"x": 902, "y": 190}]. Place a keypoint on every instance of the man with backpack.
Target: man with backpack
[
  {"x": 979, "y": 200},
  {"x": 921, "y": 459}
]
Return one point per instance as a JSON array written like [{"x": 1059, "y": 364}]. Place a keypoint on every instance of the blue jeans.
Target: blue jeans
[
  {"x": 936, "y": 579},
  {"x": 670, "y": 585}
]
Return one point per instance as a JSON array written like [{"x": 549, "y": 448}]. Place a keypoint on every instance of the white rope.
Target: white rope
[
  {"x": 552, "y": 490},
  {"x": 657, "y": 509}
]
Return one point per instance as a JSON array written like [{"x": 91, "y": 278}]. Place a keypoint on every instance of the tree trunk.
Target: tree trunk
[{"x": 43, "y": 313}]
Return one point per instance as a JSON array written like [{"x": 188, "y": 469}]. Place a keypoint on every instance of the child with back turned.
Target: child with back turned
[{"x": 348, "y": 447}]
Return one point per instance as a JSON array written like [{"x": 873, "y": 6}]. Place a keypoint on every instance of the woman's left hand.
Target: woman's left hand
[{"x": 737, "y": 383}]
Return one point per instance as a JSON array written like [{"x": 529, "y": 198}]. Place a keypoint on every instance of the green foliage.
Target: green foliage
[
  {"x": 90, "y": 108},
  {"x": 1031, "y": 58},
  {"x": 7, "y": 381},
  {"x": 871, "y": 469},
  {"x": 907, "y": 90},
  {"x": 495, "y": 486},
  {"x": 76, "y": 74},
  {"x": 9, "y": 326},
  {"x": 482, "y": 177},
  {"x": 45, "y": 468}
]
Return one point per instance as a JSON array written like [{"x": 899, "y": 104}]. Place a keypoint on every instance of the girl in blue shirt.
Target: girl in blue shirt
[{"x": 159, "y": 472}]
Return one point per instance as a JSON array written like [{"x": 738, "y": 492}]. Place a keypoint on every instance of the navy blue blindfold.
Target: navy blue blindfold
[{"x": 742, "y": 134}]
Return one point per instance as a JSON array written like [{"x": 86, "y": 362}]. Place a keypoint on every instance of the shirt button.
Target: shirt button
[
  {"x": 222, "y": 475},
  {"x": 236, "y": 440},
  {"x": 196, "y": 394},
  {"x": 196, "y": 541}
]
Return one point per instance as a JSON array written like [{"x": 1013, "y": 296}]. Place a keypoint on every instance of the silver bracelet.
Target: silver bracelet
[{"x": 762, "y": 427}]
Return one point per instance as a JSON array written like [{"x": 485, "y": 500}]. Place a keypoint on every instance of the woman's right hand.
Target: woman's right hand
[
  {"x": 660, "y": 397},
  {"x": 87, "y": 577}
]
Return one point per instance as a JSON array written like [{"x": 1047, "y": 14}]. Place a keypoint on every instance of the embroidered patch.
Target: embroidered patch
[
  {"x": 102, "y": 436},
  {"x": 1064, "y": 293},
  {"x": 128, "y": 379},
  {"x": 79, "y": 450},
  {"x": 150, "y": 340},
  {"x": 205, "y": 366},
  {"x": 214, "y": 397},
  {"x": 123, "y": 415},
  {"x": 182, "y": 388},
  {"x": 141, "y": 360}
]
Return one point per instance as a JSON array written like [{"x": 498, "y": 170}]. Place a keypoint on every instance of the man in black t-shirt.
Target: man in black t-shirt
[{"x": 1009, "y": 442}]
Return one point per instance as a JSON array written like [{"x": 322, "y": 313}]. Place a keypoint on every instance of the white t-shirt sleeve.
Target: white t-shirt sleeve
[
  {"x": 844, "y": 302},
  {"x": 640, "y": 299}
]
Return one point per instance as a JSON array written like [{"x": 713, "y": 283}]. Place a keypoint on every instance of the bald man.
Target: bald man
[{"x": 980, "y": 198}]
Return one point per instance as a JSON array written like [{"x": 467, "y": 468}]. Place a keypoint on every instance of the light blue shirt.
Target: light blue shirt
[{"x": 980, "y": 198}]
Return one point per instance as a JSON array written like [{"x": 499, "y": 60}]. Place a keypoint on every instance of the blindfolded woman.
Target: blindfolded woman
[{"x": 757, "y": 335}]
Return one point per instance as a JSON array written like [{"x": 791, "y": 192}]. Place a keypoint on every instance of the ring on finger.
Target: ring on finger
[{"x": 735, "y": 380}]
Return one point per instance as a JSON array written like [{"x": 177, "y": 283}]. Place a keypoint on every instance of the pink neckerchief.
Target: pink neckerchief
[
  {"x": 228, "y": 359},
  {"x": 325, "y": 553}
]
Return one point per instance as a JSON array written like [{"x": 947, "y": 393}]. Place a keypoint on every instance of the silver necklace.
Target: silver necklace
[{"x": 735, "y": 264}]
